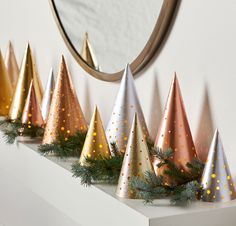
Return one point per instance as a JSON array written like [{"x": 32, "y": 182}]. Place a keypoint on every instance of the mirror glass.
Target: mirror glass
[{"x": 115, "y": 32}]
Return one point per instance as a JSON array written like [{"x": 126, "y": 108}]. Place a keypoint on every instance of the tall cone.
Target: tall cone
[
  {"x": 216, "y": 181},
  {"x": 205, "y": 129},
  {"x": 136, "y": 160},
  {"x": 174, "y": 131},
  {"x": 12, "y": 66},
  {"x": 27, "y": 73},
  {"x": 65, "y": 115},
  {"x": 47, "y": 98},
  {"x": 127, "y": 103},
  {"x": 87, "y": 53},
  {"x": 6, "y": 91},
  {"x": 96, "y": 142},
  {"x": 32, "y": 112}
]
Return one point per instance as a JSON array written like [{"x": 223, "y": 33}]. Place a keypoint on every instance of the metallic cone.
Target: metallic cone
[
  {"x": 6, "y": 91},
  {"x": 12, "y": 66},
  {"x": 87, "y": 53},
  {"x": 32, "y": 112},
  {"x": 127, "y": 103},
  {"x": 48, "y": 96},
  {"x": 27, "y": 73},
  {"x": 174, "y": 131},
  {"x": 65, "y": 115},
  {"x": 205, "y": 130},
  {"x": 95, "y": 144},
  {"x": 217, "y": 182},
  {"x": 136, "y": 160}
]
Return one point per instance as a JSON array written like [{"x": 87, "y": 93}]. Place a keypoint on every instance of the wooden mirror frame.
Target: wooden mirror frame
[{"x": 154, "y": 43}]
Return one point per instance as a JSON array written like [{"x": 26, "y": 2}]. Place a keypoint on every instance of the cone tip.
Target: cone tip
[{"x": 127, "y": 72}]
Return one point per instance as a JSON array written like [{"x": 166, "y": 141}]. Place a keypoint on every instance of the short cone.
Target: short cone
[
  {"x": 27, "y": 73},
  {"x": 6, "y": 90},
  {"x": 126, "y": 105},
  {"x": 95, "y": 145},
  {"x": 32, "y": 112},
  {"x": 65, "y": 116},
  {"x": 217, "y": 183},
  {"x": 136, "y": 160}
]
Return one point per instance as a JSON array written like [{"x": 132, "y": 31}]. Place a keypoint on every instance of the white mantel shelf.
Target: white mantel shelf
[{"x": 51, "y": 179}]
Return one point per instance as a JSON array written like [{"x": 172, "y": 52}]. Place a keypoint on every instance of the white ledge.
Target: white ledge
[{"x": 51, "y": 179}]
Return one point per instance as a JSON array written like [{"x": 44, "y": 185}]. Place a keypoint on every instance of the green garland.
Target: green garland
[
  {"x": 101, "y": 170},
  {"x": 70, "y": 147},
  {"x": 14, "y": 128},
  {"x": 184, "y": 189}
]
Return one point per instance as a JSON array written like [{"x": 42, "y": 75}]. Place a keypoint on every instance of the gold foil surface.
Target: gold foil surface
[
  {"x": 174, "y": 131},
  {"x": 32, "y": 112},
  {"x": 12, "y": 66},
  {"x": 65, "y": 115},
  {"x": 6, "y": 91},
  {"x": 95, "y": 144},
  {"x": 136, "y": 160},
  {"x": 126, "y": 105},
  {"x": 28, "y": 72},
  {"x": 217, "y": 182},
  {"x": 205, "y": 130},
  {"x": 88, "y": 54}
]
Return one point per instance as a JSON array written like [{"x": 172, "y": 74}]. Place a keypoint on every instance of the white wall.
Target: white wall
[{"x": 201, "y": 48}]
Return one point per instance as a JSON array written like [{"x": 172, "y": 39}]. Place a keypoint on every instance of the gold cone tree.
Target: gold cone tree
[
  {"x": 6, "y": 91},
  {"x": 27, "y": 73},
  {"x": 95, "y": 145},
  {"x": 136, "y": 160},
  {"x": 217, "y": 182},
  {"x": 88, "y": 54},
  {"x": 126, "y": 105},
  {"x": 174, "y": 131},
  {"x": 205, "y": 130},
  {"x": 12, "y": 66},
  {"x": 32, "y": 112},
  {"x": 65, "y": 115}
]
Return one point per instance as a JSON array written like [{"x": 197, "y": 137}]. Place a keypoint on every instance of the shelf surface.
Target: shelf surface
[{"x": 51, "y": 178}]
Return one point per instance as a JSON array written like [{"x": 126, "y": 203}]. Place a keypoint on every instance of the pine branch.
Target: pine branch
[
  {"x": 65, "y": 147},
  {"x": 100, "y": 170}
]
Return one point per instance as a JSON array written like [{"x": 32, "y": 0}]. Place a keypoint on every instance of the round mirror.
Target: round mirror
[{"x": 105, "y": 35}]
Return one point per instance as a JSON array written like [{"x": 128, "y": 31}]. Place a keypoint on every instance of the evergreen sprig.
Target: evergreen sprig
[
  {"x": 13, "y": 128},
  {"x": 65, "y": 147},
  {"x": 182, "y": 192},
  {"x": 100, "y": 170}
]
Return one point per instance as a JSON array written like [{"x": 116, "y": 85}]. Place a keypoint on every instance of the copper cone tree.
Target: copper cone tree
[
  {"x": 12, "y": 66},
  {"x": 32, "y": 112},
  {"x": 136, "y": 160},
  {"x": 65, "y": 115},
  {"x": 88, "y": 54},
  {"x": 126, "y": 105},
  {"x": 174, "y": 131},
  {"x": 28, "y": 72},
  {"x": 95, "y": 145},
  {"x": 6, "y": 91},
  {"x": 205, "y": 130},
  {"x": 217, "y": 182}
]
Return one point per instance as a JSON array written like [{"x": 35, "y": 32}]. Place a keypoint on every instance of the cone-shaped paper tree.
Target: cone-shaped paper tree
[
  {"x": 95, "y": 145},
  {"x": 217, "y": 183},
  {"x": 126, "y": 104},
  {"x": 87, "y": 53},
  {"x": 136, "y": 160},
  {"x": 27, "y": 73},
  {"x": 32, "y": 112},
  {"x": 174, "y": 131},
  {"x": 6, "y": 91},
  {"x": 205, "y": 130},
  {"x": 47, "y": 98},
  {"x": 12, "y": 66},
  {"x": 65, "y": 116}
]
